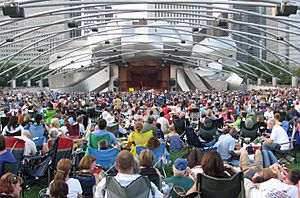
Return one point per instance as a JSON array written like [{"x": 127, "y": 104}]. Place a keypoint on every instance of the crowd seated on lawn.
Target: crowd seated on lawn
[{"x": 123, "y": 121}]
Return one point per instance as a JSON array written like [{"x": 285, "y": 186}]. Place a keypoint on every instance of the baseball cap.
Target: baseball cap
[{"x": 180, "y": 164}]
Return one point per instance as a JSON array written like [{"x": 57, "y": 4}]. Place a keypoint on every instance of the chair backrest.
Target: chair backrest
[
  {"x": 63, "y": 149},
  {"x": 157, "y": 153},
  {"x": 291, "y": 143},
  {"x": 95, "y": 139},
  {"x": 105, "y": 158},
  {"x": 249, "y": 132},
  {"x": 175, "y": 143},
  {"x": 37, "y": 134},
  {"x": 211, "y": 187},
  {"x": 87, "y": 181},
  {"x": 152, "y": 176},
  {"x": 73, "y": 130},
  {"x": 208, "y": 133},
  {"x": 16, "y": 146},
  {"x": 17, "y": 133},
  {"x": 192, "y": 138}
]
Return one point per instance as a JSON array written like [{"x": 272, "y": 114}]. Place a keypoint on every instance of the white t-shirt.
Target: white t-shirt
[
  {"x": 124, "y": 180},
  {"x": 269, "y": 115},
  {"x": 74, "y": 188},
  {"x": 279, "y": 136},
  {"x": 164, "y": 124},
  {"x": 269, "y": 189},
  {"x": 225, "y": 144},
  {"x": 12, "y": 130},
  {"x": 30, "y": 147}
]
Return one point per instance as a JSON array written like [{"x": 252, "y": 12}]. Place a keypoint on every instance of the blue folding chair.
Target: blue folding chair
[
  {"x": 159, "y": 154},
  {"x": 105, "y": 158},
  {"x": 37, "y": 134}
]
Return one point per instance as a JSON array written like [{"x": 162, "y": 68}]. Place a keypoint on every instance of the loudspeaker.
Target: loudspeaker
[
  {"x": 172, "y": 82},
  {"x": 13, "y": 11},
  {"x": 286, "y": 11},
  {"x": 117, "y": 83}
]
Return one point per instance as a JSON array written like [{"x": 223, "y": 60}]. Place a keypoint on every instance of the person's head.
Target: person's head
[
  {"x": 87, "y": 163},
  {"x": 271, "y": 123},
  {"x": 293, "y": 177},
  {"x": 54, "y": 133},
  {"x": 249, "y": 123},
  {"x": 161, "y": 114},
  {"x": 54, "y": 123},
  {"x": 260, "y": 119},
  {"x": 146, "y": 158},
  {"x": 195, "y": 158},
  {"x": 208, "y": 113},
  {"x": 179, "y": 167},
  {"x": 158, "y": 126},
  {"x": 172, "y": 128},
  {"x": 11, "y": 184},
  {"x": 182, "y": 115},
  {"x": 102, "y": 124},
  {"x": 212, "y": 164},
  {"x": 124, "y": 162},
  {"x": 79, "y": 119},
  {"x": 233, "y": 132},
  {"x": 2, "y": 143},
  {"x": 63, "y": 169},
  {"x": 138, "y": 127},
  {"x": 150, "y": 119},
  {"x": 38, "y": 118},
  {"x": 103, "y": 145},
  {"x": 58, "y": 189},
  {"x": 153, "y": 143}
]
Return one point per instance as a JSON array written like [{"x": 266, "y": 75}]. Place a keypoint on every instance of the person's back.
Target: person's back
[
  {"x": 225, "y": 144},
  {"x": 5, "y": 156},
  {"x": 120, "y": 185}
]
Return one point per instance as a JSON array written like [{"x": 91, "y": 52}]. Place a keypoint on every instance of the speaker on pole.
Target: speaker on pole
[
  {"x": 116, "y": 82},
  {"x": 172, "y": 82}
]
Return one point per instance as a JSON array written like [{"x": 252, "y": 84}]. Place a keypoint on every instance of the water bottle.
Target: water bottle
[{"x": 166, "y": 188}]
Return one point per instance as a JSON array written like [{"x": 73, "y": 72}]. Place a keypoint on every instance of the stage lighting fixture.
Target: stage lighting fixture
[
  {"x": 13, "y": 10},
  {"x": 195, "y": 29},
  {"x": 221, "y": 23},
  {"x": 279, "y": 38},
  {"x": 10, "y": 40},
  {"x": 94, "y": 29},
  {"x": 106, "y": 42},
  {"x": 182, "y": 41}
]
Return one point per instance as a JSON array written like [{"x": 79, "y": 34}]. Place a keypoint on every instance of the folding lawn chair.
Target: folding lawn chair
[
  {"x": 37, "y": 134},
  {"x": 249, "y": 132},
  {"x": 105, "y": 158},
  {"x": 73, "y": 131}
]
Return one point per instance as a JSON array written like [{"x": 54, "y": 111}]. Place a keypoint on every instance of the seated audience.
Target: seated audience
[
  {"x": 5, "y": 156},
  {"x": 137, "y": 138},
  {"x": 173, "y": 140},
  {"x": 63, "y": 170},
  {"x": 153, "y": 143},
  {"x": 13, "y": 128},
  {"x": 101, "y": 131},
  {"x": 30, "y": 147}
]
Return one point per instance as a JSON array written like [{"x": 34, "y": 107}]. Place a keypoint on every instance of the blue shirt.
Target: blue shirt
[
  {"x": 112, "y": 137},
  {"x": 6, "y": 157}
]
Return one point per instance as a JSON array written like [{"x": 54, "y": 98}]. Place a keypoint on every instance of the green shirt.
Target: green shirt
[{"x": 182, "y": 181}]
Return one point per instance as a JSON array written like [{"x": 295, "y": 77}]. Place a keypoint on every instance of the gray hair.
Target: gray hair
[
  {"x": 249, "y": 123},
  {"x": 272, "y": 122}
]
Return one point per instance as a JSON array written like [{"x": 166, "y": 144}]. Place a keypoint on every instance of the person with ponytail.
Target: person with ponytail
[
  {"x": 63, "y": 169},
  {"x": 58, "y": 189}
]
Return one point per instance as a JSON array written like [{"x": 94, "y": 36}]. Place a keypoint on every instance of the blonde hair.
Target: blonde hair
[
  {"x": 146, "y": 158},
  {"x": 54, "y": 123},
  {"x": 63, "y": 169}
]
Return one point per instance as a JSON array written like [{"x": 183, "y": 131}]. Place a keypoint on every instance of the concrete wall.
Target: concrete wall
[
  {"x": 65, "y": 80},
  {"x": 218, "y": 85},
  {"x": 114, "y": 74}
]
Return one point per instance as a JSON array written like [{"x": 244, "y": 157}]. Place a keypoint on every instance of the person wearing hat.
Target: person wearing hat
[{"x": 180, "y": 178}]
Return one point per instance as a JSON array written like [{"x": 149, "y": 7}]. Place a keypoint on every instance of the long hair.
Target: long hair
[
  {"x": 212, "y": 164},
  {"x": 58, "y": 189},
  {"x": 12, "y": 122},
  {"x": 63, "y": 169}
]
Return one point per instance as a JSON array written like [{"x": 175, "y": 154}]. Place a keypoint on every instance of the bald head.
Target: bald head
[
  {"x": 124, "y": 161},
  {"x": 26, "y": 133}
]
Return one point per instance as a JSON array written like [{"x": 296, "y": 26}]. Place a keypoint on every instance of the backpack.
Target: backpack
[{"x": 138, "y": 188}]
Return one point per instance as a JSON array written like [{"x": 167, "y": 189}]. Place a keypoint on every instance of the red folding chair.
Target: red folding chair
[
  {"x": 16, "y": 146},
  {"x": 73, "y": 131}
]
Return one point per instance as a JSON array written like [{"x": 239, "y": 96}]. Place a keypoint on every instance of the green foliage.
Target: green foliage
[
  {"x": 284, "y": 77},
  {"x": 5, "y": 78}
]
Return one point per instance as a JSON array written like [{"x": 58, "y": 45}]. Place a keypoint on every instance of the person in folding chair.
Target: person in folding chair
[
  {"x": 278, "y": 141},
  {"x": 5, "y": 156},
  {"x": 226, "y": 146},
  {"x": 126, "y": 183},
  {"x": 97, "y": 134}
]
